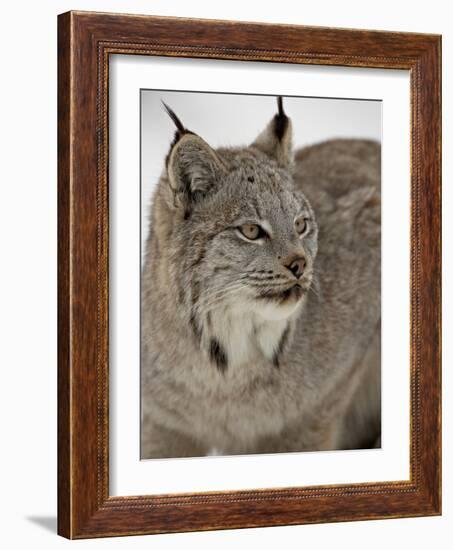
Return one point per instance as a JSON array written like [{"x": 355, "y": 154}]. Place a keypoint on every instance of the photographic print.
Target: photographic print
[{"x": 260, "y": 275}]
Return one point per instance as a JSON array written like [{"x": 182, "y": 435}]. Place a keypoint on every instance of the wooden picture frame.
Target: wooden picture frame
[{"x": 85, "y": 42}]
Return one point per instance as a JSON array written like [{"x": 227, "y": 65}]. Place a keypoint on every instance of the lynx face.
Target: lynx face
[
  {"x": 259, "y": 235},
  {"x": 242, "y": 239}
]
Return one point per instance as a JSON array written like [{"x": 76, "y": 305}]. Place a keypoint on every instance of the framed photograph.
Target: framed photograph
[{"x": 249, "y": 275}]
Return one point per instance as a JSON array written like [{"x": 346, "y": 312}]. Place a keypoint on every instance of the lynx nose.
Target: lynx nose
[{"x": 297, "y": 266}]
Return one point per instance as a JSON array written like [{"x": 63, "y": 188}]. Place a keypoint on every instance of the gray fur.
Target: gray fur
[{"x": 229, "y": 363}]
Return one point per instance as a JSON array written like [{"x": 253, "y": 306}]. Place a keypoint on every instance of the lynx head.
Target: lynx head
[{"x": 235, "y": 231}]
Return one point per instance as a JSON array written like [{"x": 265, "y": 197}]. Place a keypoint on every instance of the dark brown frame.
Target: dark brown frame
[{"x": 85, "y": 42}]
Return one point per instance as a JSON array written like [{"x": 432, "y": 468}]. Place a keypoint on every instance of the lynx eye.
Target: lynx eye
[
  {"x": 301, "y": 225},
  {"x": 252, "y": 231}
]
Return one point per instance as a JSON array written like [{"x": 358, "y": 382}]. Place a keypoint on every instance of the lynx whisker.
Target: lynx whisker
[{"x": 206, "y": 304}]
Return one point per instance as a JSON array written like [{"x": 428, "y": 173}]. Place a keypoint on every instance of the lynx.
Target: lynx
[{"x": 261, "y": 297}]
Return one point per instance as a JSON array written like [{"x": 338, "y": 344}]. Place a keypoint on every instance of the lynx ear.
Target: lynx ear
[
  {"x": 276, "y": 139},
  {"x": 193, "y": 167}
]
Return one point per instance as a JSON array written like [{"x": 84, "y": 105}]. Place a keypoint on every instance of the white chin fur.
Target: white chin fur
[{"x": 276, "y": 312}]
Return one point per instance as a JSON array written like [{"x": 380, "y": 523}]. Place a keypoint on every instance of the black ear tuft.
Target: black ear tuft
[
  {"x": 276, "y": 138},
  {"x": 181, "y": 130},
  {"x": 281, "y": 120},
  {"x": 281, "y": 112},
  {"x": 179, "y": 125}
]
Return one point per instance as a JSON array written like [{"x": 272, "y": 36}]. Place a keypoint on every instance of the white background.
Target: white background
[
  {"x": 28, "y": 275},
  {"x": 127, "y": 74}
]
